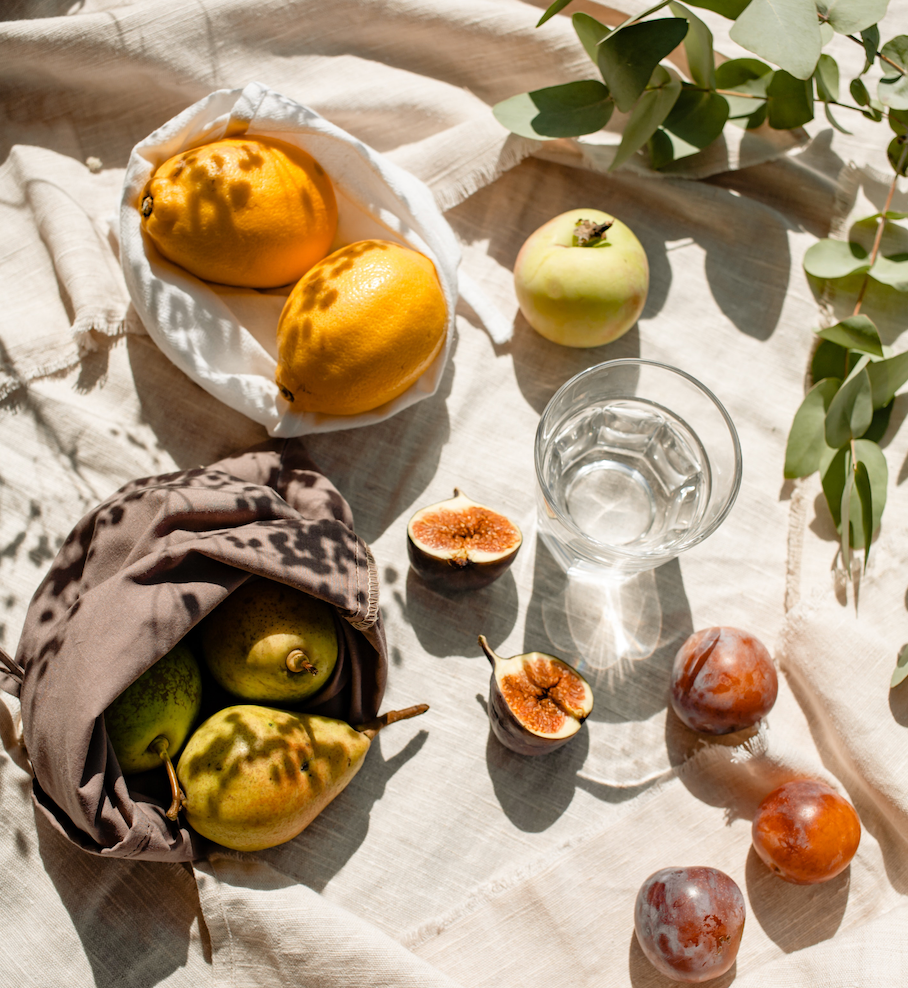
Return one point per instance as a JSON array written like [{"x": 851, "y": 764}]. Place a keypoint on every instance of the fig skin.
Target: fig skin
[
  {"x": 468, "y": 566},
  {"x": 505, "y": 724}
]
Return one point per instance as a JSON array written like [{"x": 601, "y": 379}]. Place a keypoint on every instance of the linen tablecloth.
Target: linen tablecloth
[{"x": 450, "y": 861}]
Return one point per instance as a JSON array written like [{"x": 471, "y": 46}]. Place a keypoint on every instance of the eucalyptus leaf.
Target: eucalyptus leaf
[
  {"x": 857, "y": 333},
  {"x": 892, "y": 89},
  {"x": 833, "y": 121},
  {"x": 835, "y": 259},
  {"x": 851, "y": 410},
  {"x": 590, "y": 32},
  {"x": 865, "y": 497},
  {"x": 896, "y": 154},
  {"x": 859, "y": 92},
  {"x": 806, "y": 438},
  {"x": 679, "y": 147},
  {"x": 900, "y": 672},
  {"x": 697, "y": 117},
  {"x": 870, "y": 39},
  {"x": 829, "y": 360},
  {"x": 898, "y": 121},
  {"x": 628, "y": 58},
  {"x": 826, "y": 76},
  {"x": 748, "y": 76},
  {"x": 698, "y": 45},
  {"x": 879, "y": 423},
  {"x": 553, "y": 9},
  {"x": 826, "y": 34},
  {"x": 892, "y": 271},
  {"x": 846, "y": 531},
  {"x": 790, "y": 101},
  {"x": 886, "y": 377},
  {"x": 848, "y": 16},
  {"x": 784, "y": 32},
  {"x": 661, "y": 149},
  {"x": 568, "y": 110},
  {"x": 653, "y": 107},
  {"x": 874, "y": 460},
  {"x": 732, "y": 9},
  {"x": 833, "y": 476}
]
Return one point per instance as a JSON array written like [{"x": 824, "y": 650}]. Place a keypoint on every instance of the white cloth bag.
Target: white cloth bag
[{"x": 225, "y": 338}]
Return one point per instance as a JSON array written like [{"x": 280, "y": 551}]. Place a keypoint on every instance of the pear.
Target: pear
[
  {"x": 149, "y": 721},
  {"x": 270, "y": 643},
  {"x": 255, "y": 777}
]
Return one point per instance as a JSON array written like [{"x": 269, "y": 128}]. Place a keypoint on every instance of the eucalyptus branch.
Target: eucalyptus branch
[{"x": 879, "y": 55}]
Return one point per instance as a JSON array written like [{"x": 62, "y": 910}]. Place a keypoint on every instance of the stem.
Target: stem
[
  {"x": 879, "y": 54},
  {"x": 159, "y": 746},
  {"x": 372, "y": 727},
  {"x": 298, "y": 661},
  {"x": 879, "y": 230},
  {"x": 490, "y": 655}
]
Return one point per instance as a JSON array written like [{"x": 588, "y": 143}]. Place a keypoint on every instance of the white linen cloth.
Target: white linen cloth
[{"x": 450, "y": 861}]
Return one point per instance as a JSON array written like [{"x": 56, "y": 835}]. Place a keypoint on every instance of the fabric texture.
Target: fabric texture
[
  {"x": 448, "y": 860},
  {"x": 134, "y": 578}
]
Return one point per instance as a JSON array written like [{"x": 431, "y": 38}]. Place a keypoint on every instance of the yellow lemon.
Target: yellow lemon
[
  {"x": 252, "y": 212},
  {"x": 359, "y": 328}
]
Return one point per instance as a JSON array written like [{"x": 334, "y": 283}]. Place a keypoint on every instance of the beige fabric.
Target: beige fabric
[{"x": 449, "y": 860}]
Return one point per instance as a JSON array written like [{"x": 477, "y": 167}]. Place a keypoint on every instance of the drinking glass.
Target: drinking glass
[{"x": 636, "y": 462}]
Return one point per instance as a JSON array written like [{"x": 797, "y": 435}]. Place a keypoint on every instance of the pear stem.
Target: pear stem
[
  {"x": 372, "y": 727},
  {"x": 159, "y": 746},
  {"x": 487, "y": 648},
  {"x": 298, "y": 661}
]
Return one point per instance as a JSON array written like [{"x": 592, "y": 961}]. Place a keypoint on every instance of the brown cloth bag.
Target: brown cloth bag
[{"x": 135, "y": 576}]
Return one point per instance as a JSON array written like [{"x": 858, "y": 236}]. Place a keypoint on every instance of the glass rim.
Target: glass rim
[{"x": 730, "y": 499}]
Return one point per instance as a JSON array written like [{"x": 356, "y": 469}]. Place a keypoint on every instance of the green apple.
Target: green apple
[
  {"x": 269, "y": 642},
  {"x": 581, "y": 279}
]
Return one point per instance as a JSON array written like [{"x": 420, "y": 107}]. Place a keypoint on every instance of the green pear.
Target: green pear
[
  {"x": 149, "y": 721},
  {"x": 257, "y": 776},
  {"x": 270, "y": 643}
]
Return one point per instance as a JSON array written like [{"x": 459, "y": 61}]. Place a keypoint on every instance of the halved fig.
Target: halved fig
[
  {"x": 537, "y": 702},
  {"x": 461, "y": 545}
]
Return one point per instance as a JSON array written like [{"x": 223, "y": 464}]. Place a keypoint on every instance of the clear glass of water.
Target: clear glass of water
[{"x": 636, "y": 462}]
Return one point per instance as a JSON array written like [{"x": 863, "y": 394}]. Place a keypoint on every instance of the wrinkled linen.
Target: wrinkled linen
[{"x": 448, "y": 860}]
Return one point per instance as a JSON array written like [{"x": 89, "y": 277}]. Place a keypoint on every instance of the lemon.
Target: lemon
[
  {"x": 251, "y": 212},
  {"x": 359, "y": 328}
]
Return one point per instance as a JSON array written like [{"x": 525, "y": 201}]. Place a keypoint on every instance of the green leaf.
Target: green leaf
[
  {"x": 846, "y": 532},
  {"x": 790, "y": 101},
  {"x": 896, "y": 154},
  {"x": 590, "y": 32},
  {"x": 865, "y": 497},
  {"x": 898, "y": 121},
  {"x": 826, "y": 75},
  {"x": 826, "y": 34},
  {"x": 855, "y": 332},
  {"x": 653, "y": 107},
  {"x": 893, "y": 87},
  {"x": 833, "y": 121},
  {"x": 698, "y": 44},
  {"x": 697, "y": 118},
  {"x": 848, "y": 16},
  {"x": 569, "y": 110},
  {"x": 806, "y": 438},
  {"x": 628, "y": 58},
  {"x": 892, "y": 271},
  {"x": 872, "y": 457},
  {"x": 886, "y": 377},
  {"x": 829, "y": 360},
  {"x": 557, "y": 6},
  {"x": 784, "y": 32},
  {"x": 661, "y": 149},
  {"x": 835, "y": 259},
  {"x": 901, "y": 667},
  {"x": 833, "y": 479},
  {"x": 744, "y": 75},
  {"x": 870, "y": 39},
  {"x": 732, "y": 9},
  {"x": 851, "y": 410},
  {"x": 859, "y": 92},
  {"x": 879, "y": 423}
]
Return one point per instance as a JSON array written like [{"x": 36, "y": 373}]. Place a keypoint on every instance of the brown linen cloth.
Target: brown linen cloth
[{"x": 133, "y": 578}]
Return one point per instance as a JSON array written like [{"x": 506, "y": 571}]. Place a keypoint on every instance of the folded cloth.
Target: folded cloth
[
  {"x": 225, "y": 338},
  {"x": 133, "y": 578}
]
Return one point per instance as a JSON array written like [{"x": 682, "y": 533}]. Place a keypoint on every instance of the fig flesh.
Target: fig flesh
[
  {"x": 461, "y": 545},
  {"x": 537, "y": 702}
]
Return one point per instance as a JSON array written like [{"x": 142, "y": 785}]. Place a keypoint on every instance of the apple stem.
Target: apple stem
[
  {"x": 372, "y": 727},
  {"x": 298, "y": 661},
  {"x": 159, "y": 746}
]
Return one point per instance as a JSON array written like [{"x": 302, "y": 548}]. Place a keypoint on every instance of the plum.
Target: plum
[
  {"x": 689, "y": 922},
  {"x": 723, "y": 680}
]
